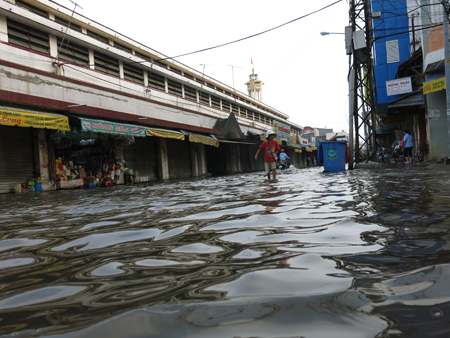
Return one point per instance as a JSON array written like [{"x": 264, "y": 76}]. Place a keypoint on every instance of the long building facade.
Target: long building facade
[{"x": 81, "y": 101}]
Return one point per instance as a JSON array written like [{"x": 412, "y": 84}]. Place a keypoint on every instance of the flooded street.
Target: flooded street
[{"x": 363, "y": 253}]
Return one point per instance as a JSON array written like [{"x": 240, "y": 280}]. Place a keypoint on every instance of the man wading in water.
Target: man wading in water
[{"x": 270, "y": 149}]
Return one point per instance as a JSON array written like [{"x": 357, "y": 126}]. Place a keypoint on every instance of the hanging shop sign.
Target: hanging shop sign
[
  {"x": 308, "y": 150},
  {"x": 434, "y": 85},
  {"x": 28, "y": 118},
  {"x": 105, "y": 127},
  {"x": 293, "y": 145},
  {"x": 165, "y": 133},
  {"x": 282, "y": 130},
  {"x": 399, "y": 86},
  {"x": 298, "y": 150},
  {"x": 203, "y": 139}
]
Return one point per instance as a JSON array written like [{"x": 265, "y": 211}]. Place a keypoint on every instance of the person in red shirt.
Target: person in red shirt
[{"x": 270, "y": 149}]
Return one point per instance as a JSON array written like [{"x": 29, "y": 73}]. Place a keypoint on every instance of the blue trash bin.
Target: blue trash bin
[{"x": 332, "y": 155}]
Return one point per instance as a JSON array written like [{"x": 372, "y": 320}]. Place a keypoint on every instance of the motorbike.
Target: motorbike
[
  {"x": 398, "y": 150},
  {"x": 283, "y": 164},
  {"x": 384, "y": 156}
]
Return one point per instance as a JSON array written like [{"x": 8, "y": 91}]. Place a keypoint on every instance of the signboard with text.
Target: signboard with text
[
  {"x": 399, "y": 86},
  {"x": 283, "y": 131}
]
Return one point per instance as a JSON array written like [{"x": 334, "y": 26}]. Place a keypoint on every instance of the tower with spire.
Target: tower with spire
[{"x": 254, "y": 86}]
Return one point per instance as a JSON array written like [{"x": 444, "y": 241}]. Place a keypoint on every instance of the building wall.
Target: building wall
[
  {"x": 437, "y": 124},
  {"x": 393, "y": 20}
]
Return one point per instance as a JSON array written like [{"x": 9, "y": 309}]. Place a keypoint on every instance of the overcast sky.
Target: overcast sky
[{"x": 304, "y": 73}]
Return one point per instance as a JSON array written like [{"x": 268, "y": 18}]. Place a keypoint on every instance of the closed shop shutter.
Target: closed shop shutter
[
  {"x": 141, "y": 156},
  {"x": 179, "y": 158},
  {"x": 16, "y": 157}
]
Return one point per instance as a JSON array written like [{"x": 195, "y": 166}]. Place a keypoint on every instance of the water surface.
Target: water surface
[{"x": 363, "y": 253}]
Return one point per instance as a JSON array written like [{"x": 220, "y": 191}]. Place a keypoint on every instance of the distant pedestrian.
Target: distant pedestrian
[
  {"x": 407, "y": 137},
  {"x": 270, "y": 149}
]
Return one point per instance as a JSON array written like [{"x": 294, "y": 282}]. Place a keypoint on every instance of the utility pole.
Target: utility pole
[
  {"x": 361, "y": 64},
  {"x": 447, "y": 65}
]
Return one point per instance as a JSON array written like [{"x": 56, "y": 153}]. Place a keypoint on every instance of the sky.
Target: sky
[{"x": 304, "y": 74}]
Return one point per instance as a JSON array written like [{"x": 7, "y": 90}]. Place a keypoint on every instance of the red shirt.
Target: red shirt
[{"x": 269, "y": 150}]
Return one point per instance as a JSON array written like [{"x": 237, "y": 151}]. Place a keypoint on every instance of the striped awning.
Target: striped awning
[
  {"x": 164, "y": 133},
  {"x": 203, "y": 139}
]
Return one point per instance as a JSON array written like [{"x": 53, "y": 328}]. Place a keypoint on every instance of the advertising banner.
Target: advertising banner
[
  {"x": 399, "y": 86},
  {"x": 282, "y": 130},
  {"x": 105, "y": 127},
  {"x": 434, "y": 86},
  {"x": 24, "y": 118}
]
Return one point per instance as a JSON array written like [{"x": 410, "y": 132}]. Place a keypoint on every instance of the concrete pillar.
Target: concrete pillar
[
  {"x": 163, "y": 158},
  {"x": 194, "y": 159},
  {"x": 3, "y": 29},
  {"x": 202, "y": 164},
  {"x": 42, "y": 158},
  {"x": 238, "y": 158}
]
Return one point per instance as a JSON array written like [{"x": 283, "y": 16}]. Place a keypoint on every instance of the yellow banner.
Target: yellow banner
[
  {"x": 203, "y": 139},
  {"x": 263, "y": 138},
  {"x": 163, "y": 133},
  {"x": 308, "y": 149},
  {"x": 25, "y": 118},
  {"x": 434, "y": 86},
  {"x": 298, "y": 150}
]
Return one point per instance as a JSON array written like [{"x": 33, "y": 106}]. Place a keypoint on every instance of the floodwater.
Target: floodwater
[{"x": 363, "y": 253}]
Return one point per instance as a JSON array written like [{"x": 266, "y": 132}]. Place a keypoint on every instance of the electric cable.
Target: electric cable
[{"x": 254, "y": 35}]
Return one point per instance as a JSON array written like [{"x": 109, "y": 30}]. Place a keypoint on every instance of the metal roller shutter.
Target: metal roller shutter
[
  {"x": 16, "y": 157},
  {"x": 179, "y": 153},
  {"x": 141, "y": 156}
]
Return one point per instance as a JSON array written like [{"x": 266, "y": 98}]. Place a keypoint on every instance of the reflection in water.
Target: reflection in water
[{"x": 353, "y": 254}]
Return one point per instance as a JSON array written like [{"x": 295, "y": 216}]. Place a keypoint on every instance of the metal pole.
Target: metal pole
[
  {"x": 351, "y": 95},
  {"x": 447, "y": 66}
]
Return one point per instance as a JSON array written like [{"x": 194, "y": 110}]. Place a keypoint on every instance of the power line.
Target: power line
[{"x": 254, "y": 35}]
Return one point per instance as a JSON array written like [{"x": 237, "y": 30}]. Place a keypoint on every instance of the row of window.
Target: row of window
[{"x": 38, "y": 41}]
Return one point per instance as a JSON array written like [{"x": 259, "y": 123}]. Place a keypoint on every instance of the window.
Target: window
[
  {"x": 392, "y": 52},
  {"x": 142, "y": 56},
  {"x": 97, "y": 36},
  {"x": 204, "y": 98},
  {"x": 28, "y": 37},
  {"x": 161, "y": 64},
  {"x": 175, "y": 70},
  {"x": 122, "y": 47},
  {"x": 225, "y": 106},
  {"x": 106, "y": 64},
  {"x": 65, "y": 23},
  {"x": 156, "y": 81},
  {"x": 190, "y": 93},
  {"x": 234, "y": 109},
  {"x": 132, "y": 73},
  {"x": 243, "y": 111},
  {"x": 189, "y": 76},
  {"x": 73, "y": 53},
  {"x": 32, "y": 8},
  {"x": 215, "y": 101},
  {"x": 174, "y": 87}
]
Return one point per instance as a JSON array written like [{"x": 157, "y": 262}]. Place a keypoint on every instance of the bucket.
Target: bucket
[{"x": 38, "y": 187}]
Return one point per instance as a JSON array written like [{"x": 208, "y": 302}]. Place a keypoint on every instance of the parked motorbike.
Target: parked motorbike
[
  {"x": 398, "y": 151},
  {"x": 383, "y": 156}
]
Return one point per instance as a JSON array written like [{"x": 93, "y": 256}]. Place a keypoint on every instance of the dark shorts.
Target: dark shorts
[{"x": 408, "y": 151}]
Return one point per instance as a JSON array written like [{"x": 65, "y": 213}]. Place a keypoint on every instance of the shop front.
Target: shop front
[
  {"x": 92, "y": 153},
  {"x": 24, "y": 154}
]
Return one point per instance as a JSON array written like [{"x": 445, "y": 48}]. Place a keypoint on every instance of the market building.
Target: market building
[{"x": 79, "y": 101}]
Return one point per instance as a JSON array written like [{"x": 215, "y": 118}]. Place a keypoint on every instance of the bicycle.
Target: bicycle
[{"x": 421, "y": 151}]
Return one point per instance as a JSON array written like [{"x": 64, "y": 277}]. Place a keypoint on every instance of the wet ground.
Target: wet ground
[{"x": 363, "y": 253}]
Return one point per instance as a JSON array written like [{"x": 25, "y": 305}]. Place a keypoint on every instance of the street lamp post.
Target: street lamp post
[{"x": 351, "y": 90}]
